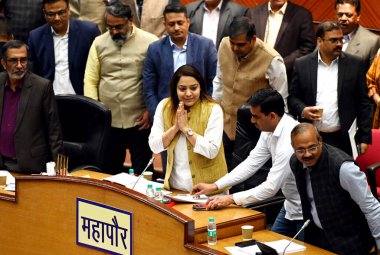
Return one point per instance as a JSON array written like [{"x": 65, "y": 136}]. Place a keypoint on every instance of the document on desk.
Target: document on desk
[
  {"x": 10, "y": 182},
  {"x": 130, "y": 180},
  {"x": 279, "y": 246},
  {"x": 189, "y": 198}
]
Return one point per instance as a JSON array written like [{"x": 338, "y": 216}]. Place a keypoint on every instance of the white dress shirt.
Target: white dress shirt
[
  {"x": 179, "y": 55},
  {"x": 276, "y": 75},
  {"x": 207, "y": 145},
  {"x": 327, "y": 96},
  {"x": 62, "y": 83},
  {"x": 354, "y": 182},
  {"x": 278, "y": 146},
  {"x": 211, "y": 22},
  {"x": 273, "y": 25}
]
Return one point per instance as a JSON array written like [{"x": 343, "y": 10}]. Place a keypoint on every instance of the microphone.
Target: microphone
[
  {"x": 148, "y": 165},
  {"x": 302, "y": 228}
]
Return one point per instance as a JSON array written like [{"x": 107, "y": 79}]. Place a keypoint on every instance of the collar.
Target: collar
[
  {"x": 172, "y": 44},
  {"x": 335, "y": 61},
  {"x": 282, "y": 9},
  {"x": 281, "y": 125},
  {"x": 55, "y": 34},
  {"x": 350, "y": 35},
  {"x": 218, "y": 8},
  {"x": 19, "y": 84}
]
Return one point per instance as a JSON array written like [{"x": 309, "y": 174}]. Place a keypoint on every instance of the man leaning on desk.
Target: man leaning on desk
[
  {"x": 268, "y": 114},
  {"x": 30, "y": 132}
]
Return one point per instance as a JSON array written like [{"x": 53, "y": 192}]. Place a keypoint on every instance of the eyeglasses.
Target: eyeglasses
[
  {"x": 117, "y": 27},
  {"x": 334, "y": 40},
  {"x": 52, "y": 15},
  {"x": 312, "y": 149},
  {"x": 14, "y": 61}
]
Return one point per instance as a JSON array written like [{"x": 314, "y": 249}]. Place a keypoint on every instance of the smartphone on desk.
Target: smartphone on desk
[
  {"x": 200, "y": 207},
  {"x": 245, "y": 243}
]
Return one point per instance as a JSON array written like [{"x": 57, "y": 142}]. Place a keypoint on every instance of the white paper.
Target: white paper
[
  {"x": 11, "y": 181},
  {"x": 279, "y": 246},
  {"x": 189, "y": 198},
  {"x": 130, "y": 180},
  {"x": 351, "y": 135}
]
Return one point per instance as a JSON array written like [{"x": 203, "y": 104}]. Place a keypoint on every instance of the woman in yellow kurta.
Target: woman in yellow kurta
[
  {"x": 373, "y": 84},
  {"x": 189, "y": 125}
]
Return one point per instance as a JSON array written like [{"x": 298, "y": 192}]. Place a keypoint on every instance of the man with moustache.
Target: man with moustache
[
  {"x": 335, "y": 196},
  {"x": 357, "y": 40},
  {"x": 334, "y": 81},
  {"x": 114, "y": 77},
  {"x": 268, "y": 115},
  {"x": 58, "y": 50},
  {"x": 30, "y": 131},
  {"x": 180, "y": 47}
]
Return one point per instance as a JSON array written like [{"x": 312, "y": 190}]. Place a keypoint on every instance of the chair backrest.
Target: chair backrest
[
  {"x": 247, "y": 136},
  {"x": 372, "y": 155},
  {"x": 85, "y": 125}
]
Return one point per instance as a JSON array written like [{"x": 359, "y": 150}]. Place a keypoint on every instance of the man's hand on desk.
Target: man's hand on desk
[
  {"x": 203, "y": 188},
  {"x": 219, "y": 201}
]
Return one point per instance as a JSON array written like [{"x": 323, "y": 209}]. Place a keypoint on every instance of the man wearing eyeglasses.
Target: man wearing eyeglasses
[
  {"x": 30, "y": 132},
  {"x": 328, "y": 89},
  {"x": 335, "y": 196},
  {"x": 114, "y": 77},
  {"x": 59, "y": 49}
]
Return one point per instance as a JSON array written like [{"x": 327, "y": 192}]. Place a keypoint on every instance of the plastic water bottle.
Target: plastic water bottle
[
  {"x": 159, "y": 196},
  {"x": 149, "y": 191},
  {"x": 131, "y": 171},
  {"x": 211, "y": 232}
]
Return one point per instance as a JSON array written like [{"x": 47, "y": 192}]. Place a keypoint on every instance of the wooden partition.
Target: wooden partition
[{"x": 41, "y": 218}]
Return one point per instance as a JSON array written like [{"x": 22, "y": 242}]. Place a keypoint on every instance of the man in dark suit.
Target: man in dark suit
[
  {"x": 202, "y": 15},
  {"x": 331, "y": 80},
  {"x": 345, "y": 216},
  {"x": 59, "y": 49},
  {"x": 30, "y": 132},
  {"x": 285, "y": 26},
  {"x": 179, "y": 48}
]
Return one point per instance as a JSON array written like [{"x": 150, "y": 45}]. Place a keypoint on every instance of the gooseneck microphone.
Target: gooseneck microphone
[
  {"x": 302, "y": 228},
  {"x": 148, "y": 165}
]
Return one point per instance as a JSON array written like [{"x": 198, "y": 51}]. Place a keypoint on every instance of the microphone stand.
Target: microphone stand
[
  {"x": 302, "y": 228},
  {"x": 148, "y": 165}
]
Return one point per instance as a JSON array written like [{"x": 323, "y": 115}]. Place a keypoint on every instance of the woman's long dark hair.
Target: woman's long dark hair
[{"x": 186, "y": 70}]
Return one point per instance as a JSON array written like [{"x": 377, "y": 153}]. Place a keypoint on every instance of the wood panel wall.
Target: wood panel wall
[{"x": 325, "y": 9}]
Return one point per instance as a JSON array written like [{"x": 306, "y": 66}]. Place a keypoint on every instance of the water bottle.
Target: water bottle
[
  {"x": 131, "y": 171},
  {"x": 149, "y": 191},
  {"x": 211, "y": 232},
  {"x": 159, "y": 196}
]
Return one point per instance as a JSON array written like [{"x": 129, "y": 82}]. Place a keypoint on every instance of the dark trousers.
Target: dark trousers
[
  {"x": 228, "y": 150},
  {"x": 136, "y": 141},
  {"x": 339, "y": 140}
]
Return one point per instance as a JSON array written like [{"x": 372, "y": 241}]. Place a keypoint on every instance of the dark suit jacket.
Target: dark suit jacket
[
  {"x": 159, "y": 67},
  {"x": 296, "y": 35},
  {"x": 229, "y": 10},
  {"x": 353, "y": 101},
  {"x": 41, "y": 50},
  {"x": 37, "y": 136}
]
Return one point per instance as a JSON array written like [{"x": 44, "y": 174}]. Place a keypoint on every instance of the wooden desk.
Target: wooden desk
[{"x": 40, "y": 219}]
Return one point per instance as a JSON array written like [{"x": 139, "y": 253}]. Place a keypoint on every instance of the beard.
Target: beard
[
  {"x": 120, "y": 39},
  {"x": 18, "y": 75}
]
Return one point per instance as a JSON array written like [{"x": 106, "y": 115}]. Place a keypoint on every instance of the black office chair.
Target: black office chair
[
  {"x": 85, "y": 125},
  {"x": 247, "y": 135}
]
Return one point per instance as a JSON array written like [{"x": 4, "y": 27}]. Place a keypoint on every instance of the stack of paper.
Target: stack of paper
[
  {"x": 129, "y": 181},
  {"x": 11, "y": 182}
]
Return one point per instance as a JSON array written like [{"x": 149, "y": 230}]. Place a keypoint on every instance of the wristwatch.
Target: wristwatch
[{"x": 189, "y": 132}]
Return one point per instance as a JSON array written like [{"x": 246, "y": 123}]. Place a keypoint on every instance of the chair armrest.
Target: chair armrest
[
  {"x": 87, "y": 167},
  {"x": 267, "y": 202},
  {"x": 371, "y": 175}
]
